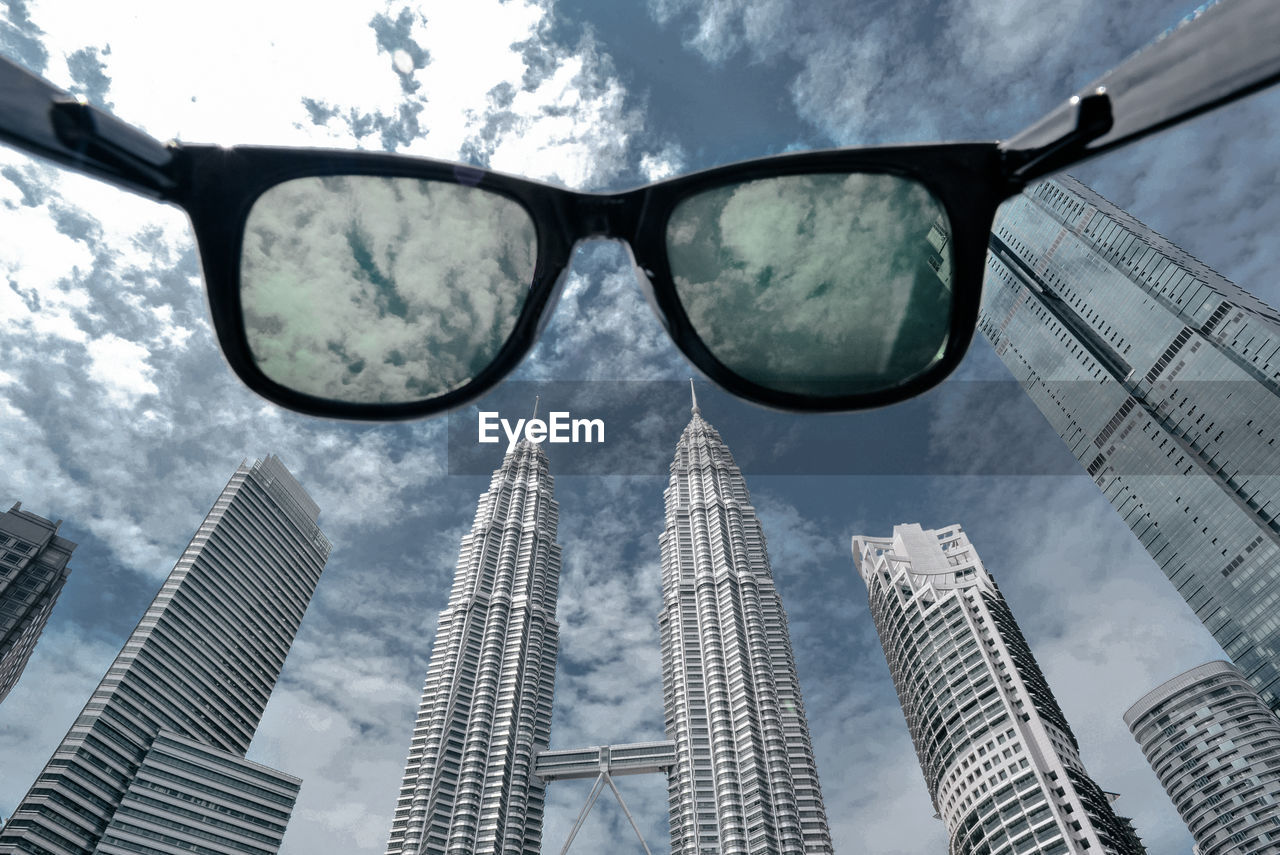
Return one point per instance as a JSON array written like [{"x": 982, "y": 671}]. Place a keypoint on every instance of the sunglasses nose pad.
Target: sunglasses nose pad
[{"x": 645, "y": 278}]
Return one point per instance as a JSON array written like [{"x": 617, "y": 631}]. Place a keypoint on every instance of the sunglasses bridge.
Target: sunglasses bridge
[
  {"x": 591, "y": 218},
  {"x": 603, "y": 215},
  {"x": 595, "y": 234}
]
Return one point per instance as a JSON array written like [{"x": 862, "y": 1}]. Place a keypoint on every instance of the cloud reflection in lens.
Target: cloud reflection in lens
[
  {"x": 382, "y": 290},
  {"x": 829, "y": 284}
]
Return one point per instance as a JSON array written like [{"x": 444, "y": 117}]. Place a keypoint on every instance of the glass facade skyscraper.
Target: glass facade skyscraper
[
  {"x": 486, "y": 706},
  {"x": 1163, "y": 378},
  {"x": 33, "y": 569},
  {"x": 745, "y": 779},
  {"x": 1216, "y": 749},
  {"x": 1001, "y": 764},
  {"x": 200, "y": 665}
]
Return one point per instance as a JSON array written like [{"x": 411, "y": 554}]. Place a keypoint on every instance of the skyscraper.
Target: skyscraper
[
  {"x": 486, "y": 706},
  {"x": 1163, "y": 378},
  {"x": 1216, "y": 749},
  {"x": 33, "y": 569},
  {"x": 199, "y": 668},
  {"x": 745, "y": 780},
  {"x": 1001, "y": 764}
]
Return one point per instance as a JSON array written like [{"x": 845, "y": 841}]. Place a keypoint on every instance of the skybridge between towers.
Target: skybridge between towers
[{"x": 604, "y": 763}]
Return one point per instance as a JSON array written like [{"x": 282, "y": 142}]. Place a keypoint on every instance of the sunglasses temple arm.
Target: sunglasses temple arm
[
  {"x": 1222, "y": 52},
  {"x": 42, "y": 119}
]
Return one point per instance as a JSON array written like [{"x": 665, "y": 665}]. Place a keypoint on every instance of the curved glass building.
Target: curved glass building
[
  {"x": 1215, "y": 746},
  {"x": 1001, "y": 764},
  {"x": 1163, "y": 378}
]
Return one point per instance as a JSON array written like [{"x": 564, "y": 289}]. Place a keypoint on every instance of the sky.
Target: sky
[{"x": 119, "y": 416}]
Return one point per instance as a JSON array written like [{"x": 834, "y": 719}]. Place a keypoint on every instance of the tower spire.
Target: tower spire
[
  {"x": 693, "y": 393},
  {"x": 535, "y": 405}
]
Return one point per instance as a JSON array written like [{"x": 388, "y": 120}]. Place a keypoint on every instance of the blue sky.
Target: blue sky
[{"x": 118, "y": 415}]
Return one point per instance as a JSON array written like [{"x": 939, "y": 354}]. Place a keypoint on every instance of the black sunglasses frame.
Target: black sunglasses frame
[
  {"x": 1226, "y": 51},
  {"x": 219, "y": 186}
]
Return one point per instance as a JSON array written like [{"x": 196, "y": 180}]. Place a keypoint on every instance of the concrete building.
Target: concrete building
[
  {"x": 200, "y": 665},
  {"x": 33, "y": 569},
  {"x": 1001, "y": 764},
  {"x": 486, "y": 706},
  {"x": 189, "y": 797},
  {"x": 1215, "y": 747},
  {"x": 1163, "y": 378},
  {"x": 745, "y": 780}
]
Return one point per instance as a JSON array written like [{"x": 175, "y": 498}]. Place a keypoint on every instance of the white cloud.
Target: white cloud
[
  {"x": 1007, "y": 39},
  {"x": 234, "y": 82},
  {"x": 725, "y": 27},
  {"x": 573, "y": 128},
  {"x": 920, "y": 71},
  {"x": 120, "y": 367},
  {"x": 382, "y": 290},
  {"x": 656, "y": 166},
  {"x": 511, "y": 97},
  {"x": 369, "y": 482},
  {"x": 339, "y": 722}
]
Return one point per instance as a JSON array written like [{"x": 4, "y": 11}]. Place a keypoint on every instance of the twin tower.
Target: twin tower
[{"x": 738, "y": 760}]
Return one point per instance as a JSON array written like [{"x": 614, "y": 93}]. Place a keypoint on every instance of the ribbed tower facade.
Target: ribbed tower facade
[
  {"x": 1216, "y": 749},
  {"x": 1163, "y": 378},
  {"x": 1001, "y": 765},
  {"x": 745, "y": 780},
  {"x": 33, "y": 569},
  {"x": 486, "y": 705},
  {"x": 199, "y": 667}
]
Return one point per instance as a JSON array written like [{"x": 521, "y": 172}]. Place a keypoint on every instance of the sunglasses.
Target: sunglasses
[{"x": 363, "y": 285}]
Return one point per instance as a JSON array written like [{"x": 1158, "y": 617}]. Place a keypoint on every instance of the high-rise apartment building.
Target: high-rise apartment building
[
  {"x": 745, "y": 780},
  {"x": 33, "y": 569},
  {"x": 486, "y": 706},
  {"x": 1215, "y": 747},
  {"x": 1163, "y": 378},
  {"x": 1001, "y": 764},
  {"x": 197, "y": 672}
]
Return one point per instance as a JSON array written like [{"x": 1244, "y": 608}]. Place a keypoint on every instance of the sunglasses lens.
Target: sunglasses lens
[
  {"x": 826, "y": 285},
  {"x": 365, "y": 289}
]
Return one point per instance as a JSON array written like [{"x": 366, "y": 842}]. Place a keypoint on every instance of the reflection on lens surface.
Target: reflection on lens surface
[
  {"x": 819, "y": 284},
  {"x": 382, "y": 290}
]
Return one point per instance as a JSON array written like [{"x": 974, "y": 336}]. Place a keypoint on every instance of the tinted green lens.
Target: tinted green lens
[
  {"x": 382, "y": 290},
  {"x": 828, "y": 285}
]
